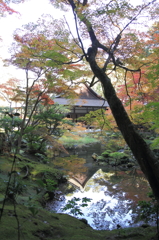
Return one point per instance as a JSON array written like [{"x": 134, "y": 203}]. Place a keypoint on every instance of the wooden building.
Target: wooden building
[{"x": 87, "y": 100}]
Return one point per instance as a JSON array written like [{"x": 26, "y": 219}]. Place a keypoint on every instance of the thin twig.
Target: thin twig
[{"x": 126, "y": 87}]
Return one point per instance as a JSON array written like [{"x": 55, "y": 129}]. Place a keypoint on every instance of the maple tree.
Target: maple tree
[
  {"x": 9, "y": 90},
  {"x": 103, "y": 24},
  {"x": 148, "y": 113},
  {"x": 140, "y": 96},
  {"x": 4, "y": 7},
  {"x": 42, "y": 60}
]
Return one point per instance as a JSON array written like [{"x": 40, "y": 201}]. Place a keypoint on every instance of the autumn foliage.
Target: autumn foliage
[
  {"x": 4, "y": 7},
  {"x": 139, "y": 89}
]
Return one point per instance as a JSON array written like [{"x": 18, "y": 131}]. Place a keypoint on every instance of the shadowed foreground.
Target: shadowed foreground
[{"x": 46, "y": 225}]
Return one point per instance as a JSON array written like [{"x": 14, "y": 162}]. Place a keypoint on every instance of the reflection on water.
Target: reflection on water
[
  {"x": 114, "y": 195},
  {"x": 109, "y": 207}
]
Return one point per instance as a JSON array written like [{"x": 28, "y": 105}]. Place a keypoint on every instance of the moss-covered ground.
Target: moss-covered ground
[
  {"x": 25, "y": 218},
  {"x": 46, "y": 225}
]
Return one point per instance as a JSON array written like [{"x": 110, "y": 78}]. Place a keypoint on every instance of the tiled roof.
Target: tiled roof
[
  {"x": 82, "y": 102},
  {"x": 86, "y": 97}
]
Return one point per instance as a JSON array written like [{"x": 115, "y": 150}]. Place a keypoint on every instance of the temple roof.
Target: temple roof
[{"x": 85, "y": 97}]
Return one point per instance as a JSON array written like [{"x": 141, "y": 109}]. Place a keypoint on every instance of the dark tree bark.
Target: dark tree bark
[
  {"x": 149, "y": 164},
  {"x": 3, "y": 143}
]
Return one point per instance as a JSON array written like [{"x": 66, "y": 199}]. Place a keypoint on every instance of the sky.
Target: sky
[{"x": 29, "y": 11}]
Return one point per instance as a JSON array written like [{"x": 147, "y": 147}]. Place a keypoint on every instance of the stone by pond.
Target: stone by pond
[{"x": 114, "y": 194}]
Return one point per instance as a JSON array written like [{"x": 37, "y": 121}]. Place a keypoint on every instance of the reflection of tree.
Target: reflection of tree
[
  {"x": 132, "y": 182},
  {"x": 122, "y": 187},
  {"x": 72, "y": 165},
  {"x": 106, "y": 216},
  {"x": 116, "y": 205},
  {"x": 116, "y": 178}
]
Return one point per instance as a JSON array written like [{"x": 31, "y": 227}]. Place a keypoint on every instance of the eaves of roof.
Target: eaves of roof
[{"x": 83, "y": 102}]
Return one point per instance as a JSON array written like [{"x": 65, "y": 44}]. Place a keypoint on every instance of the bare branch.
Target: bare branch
[
  {"x": 71, "y": 33},
  {"x": 60, "y": 62},
  {"x": 126, "y": 87},
  {"x": 79, "y": 38},
  {"x": 66, "y": 49},
  {"x": 134, "y": 18}
]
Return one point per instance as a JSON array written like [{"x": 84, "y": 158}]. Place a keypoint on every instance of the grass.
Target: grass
[{"x": 68, "y": 141}]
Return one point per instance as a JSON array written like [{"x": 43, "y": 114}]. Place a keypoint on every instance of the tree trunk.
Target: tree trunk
[{"x": 148, "y": 162}]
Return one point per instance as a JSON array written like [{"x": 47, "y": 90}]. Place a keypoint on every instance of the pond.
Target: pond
[{"x": 114, "y": 193}]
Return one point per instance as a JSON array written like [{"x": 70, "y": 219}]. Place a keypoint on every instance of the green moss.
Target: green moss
[
  {"x": 101, "y": 158},
  {"x": 106, "y": 153},
  {"x": 46, "y": 225},
  {"x": 118, "y": 155},
  {"x": 36, "y": 223}
]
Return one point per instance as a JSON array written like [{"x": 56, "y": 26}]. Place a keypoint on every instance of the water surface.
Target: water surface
[{"x": 114, "y": 193}]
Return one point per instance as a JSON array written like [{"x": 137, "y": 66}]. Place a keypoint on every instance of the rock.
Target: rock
[
  {"x": 123, "y": 160},
  {"x": 145, "y": 225},
  {"x": 121, "y": 150},
  {"x": 95, "y": 156},
  {"x": 118, "y": 226},
  {"x": 130, "y": 165},
  {"x": 102, "y": 163},
  {"x": 84, "y": 221}
]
